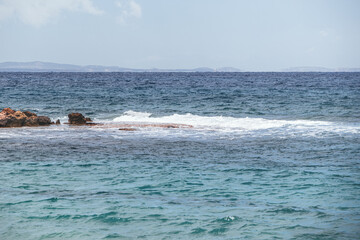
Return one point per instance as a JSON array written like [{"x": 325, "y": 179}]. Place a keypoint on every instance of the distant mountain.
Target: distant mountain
[
  {"x": 228, "y": 69},
  {"x": 320, "y": 69},
  {"x": 56, "y": 67}
]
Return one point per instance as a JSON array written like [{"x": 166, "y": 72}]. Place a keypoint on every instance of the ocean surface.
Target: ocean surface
[{"x": 270, "y": 156}]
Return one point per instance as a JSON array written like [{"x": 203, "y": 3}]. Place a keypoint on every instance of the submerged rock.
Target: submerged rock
[
  {"x": 78, "y": 119},
  {"x": 127, "y": 129},
  {"x": 126, "y": 126},
  {"x": 11, "y": 118}
]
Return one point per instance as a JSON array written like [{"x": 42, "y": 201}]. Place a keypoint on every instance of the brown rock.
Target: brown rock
[
  {"x": 17, "y": 119},
  {"x": 3, "y": 120},
  {"x": 10, "y": 118},
  {"x": 30, "y": 114},
  {"x": 57, "y": 122},
  {"x": 20, "y": 114},
  {"x": 76, "y": 118},
  {"x": 43, "y": 120},
  {"x": 32, "y": 121},
  {"x": 7, "y": 111}
]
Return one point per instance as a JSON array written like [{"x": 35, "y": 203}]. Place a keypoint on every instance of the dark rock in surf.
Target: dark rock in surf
[
  {"x": 78, "y": 119},
  {"x": 43, "y": 120},
  {"x": 57, "y": 122}
]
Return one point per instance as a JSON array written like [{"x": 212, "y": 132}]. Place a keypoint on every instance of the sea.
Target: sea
[{"x": 269, "y": 156}]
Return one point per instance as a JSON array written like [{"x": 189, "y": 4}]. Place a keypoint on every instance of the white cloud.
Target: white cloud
[
  {"x": 129, "y": 9},
  {"x": 39, "y": 12}
]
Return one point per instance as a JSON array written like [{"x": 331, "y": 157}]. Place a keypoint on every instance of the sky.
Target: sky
[{"x": 252, "y": 35}]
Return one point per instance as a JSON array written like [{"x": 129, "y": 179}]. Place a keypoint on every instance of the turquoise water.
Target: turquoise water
[{"x": 271, "y": 156}]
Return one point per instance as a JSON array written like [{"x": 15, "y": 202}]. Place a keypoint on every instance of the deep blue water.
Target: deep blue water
[{"x": 271, "y": 156}]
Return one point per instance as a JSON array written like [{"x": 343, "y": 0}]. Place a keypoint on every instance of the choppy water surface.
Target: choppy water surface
[{"x": 271, "y": 156}]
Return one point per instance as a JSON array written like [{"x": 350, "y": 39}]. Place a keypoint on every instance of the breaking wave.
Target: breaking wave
[{"x": 232, "y": 123}]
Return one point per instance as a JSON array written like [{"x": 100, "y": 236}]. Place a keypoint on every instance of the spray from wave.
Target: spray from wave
[{"x": 232, "y": 123}]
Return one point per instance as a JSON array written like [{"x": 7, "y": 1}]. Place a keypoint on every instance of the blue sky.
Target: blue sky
[{"x": 253, "y": 35}]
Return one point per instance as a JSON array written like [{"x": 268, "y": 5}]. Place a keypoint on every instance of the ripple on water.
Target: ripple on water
[
  {"x": 198, "y": 231},
  {"x": 111, "y": 218},
  {"x": 288, "y": 210},
  {"x": 317, "y": 236},
  {"x": 115, "y": 236},
  {"x": 218, "y": 231}
]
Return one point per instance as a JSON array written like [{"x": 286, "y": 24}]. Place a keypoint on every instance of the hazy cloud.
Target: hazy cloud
[
  {"x": 129, "y": 9},
  {"x": 40, "y": 12},
  {"x": 324, "y": 33},
  {"x": 310, "y": 50}
]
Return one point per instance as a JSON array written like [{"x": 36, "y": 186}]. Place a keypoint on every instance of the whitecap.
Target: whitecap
[{"x": 221, "y": 123}]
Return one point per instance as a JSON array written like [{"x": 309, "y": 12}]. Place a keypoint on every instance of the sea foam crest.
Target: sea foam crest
[{"x": 232, "y": 123}]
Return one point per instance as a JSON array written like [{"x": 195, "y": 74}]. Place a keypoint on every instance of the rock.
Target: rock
[
  {"x": 30, "y": 114},
  {"x": 127, "y": 129},
  {"x": 17, "y": 119},
  {"x": 57, "y": 122},
  {"x": 43, "y": 120},
  {"x": 11, "y": 118},
  {"x": 3, "y": 120},
  {"x": 32, "y": 121},
  {"x": 76, "y": 118},
  {"x": 7, "y": 111},
  {"x": 161, "y": 125}
]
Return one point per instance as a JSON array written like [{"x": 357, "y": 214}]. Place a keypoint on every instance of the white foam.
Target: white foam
[{"x": 237, "y": 124}]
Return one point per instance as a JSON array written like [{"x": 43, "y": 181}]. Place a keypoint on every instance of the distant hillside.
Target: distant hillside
[
  {"x": 56, "y": 67},
  {"x": 320, "y": 69}
]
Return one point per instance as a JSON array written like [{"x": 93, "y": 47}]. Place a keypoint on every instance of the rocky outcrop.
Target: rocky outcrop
[
  {"x": 11, "y": 118},
  {"x": 78, "y": 119}
]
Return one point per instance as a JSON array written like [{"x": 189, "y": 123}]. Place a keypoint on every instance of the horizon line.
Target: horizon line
[{"x": 40, "y": 66}]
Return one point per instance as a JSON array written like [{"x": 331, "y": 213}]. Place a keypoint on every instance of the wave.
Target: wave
[{"x": 232, "y": 123}]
